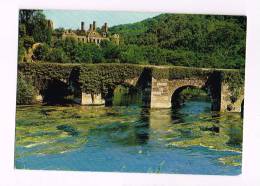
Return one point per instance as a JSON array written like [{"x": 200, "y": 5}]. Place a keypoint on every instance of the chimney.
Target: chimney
[
  {"x": 90, "y": 27},
  {"x": 50, "y": 24},
  {"x": 82, "y": 26},
  {"x": 94, "y": 25},
  {"x": 105, "y": 27}
]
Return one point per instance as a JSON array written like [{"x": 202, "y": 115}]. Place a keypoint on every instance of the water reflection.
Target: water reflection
[{"x": 142, "y": 127}]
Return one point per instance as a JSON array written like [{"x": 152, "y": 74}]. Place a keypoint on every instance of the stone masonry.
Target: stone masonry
[
  {"x": 162, "y": 90},
  {"x": 91, "y": 99},
  {"x": 227, "y": 105},
  {"x": 160, "y": 94}
]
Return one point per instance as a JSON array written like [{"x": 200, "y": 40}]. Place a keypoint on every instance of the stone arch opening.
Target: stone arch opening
[
  {"x": 123, "y": 95},
  {"x": 138, "y": 90},
  {"x": 191, "y": 92},
  {"x": 56, "y": 92}
]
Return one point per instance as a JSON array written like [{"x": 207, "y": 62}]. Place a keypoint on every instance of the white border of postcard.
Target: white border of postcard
[{"x": 8, "y": 56}]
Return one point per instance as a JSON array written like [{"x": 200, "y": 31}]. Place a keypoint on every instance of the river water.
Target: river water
[{"x": 190, "y": 140}]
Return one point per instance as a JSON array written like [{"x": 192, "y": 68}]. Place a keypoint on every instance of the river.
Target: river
[{"x": 190, "y": 140}]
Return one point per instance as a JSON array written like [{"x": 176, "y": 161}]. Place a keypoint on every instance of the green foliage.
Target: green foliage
[
  {"x": 41, "y": 52},
  {"x": 21, "y": 51},
  {"x": 93, "y": 78},
  {"x": 132, "y": 54},
  {"x": 22, "y": 30},
  {"x": 58, "y": 32},
  {"x": 40, "y": 31},
  {"x": 33, "y": 28},
  {"x": 25, "y": 90},
  {"x": 191, "y": 92},
  {"x": 57, "y": 55},
  {"x": 189, "y": 40},
  {"x": 28, "y": 41},
  {"x": 46, "y": 71},
  {"x": 110, "y": 50},
  {"x": 69, "y": 129},
  {"x": 100, "y": 78},
  {"x": 35, "y": 25},
  {"x": 235, "y": 81},
  {"x": 79, "y": 52},
  {"x": 167, "y": 39}
]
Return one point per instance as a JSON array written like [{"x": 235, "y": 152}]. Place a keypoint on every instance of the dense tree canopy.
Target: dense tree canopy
[
  {"x": 33, "y": 28},
  {"x": 190, "y": 40}
]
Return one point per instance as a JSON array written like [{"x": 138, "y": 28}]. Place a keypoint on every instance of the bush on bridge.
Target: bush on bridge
[
  {"x": 100, "y": 78},
  {"x": 91, "y": 78},
  {"x": 40, "y": 72},
  {"x": 235, "y": 80}
]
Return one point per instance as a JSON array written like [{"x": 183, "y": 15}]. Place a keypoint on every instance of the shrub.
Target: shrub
[
  {"x": 21, "y": 52},
  {"x": 28, "y": 41},
  {"x": 41, "y": 52},
  {"x": 57, "y": 55},
  {"x": 25, "y": 90}
]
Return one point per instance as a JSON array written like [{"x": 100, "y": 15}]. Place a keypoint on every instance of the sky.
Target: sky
[{"x": 71, "y": 19}]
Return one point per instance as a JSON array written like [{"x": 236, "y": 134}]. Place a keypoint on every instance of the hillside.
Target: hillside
[{"x": 190, "y": 40}]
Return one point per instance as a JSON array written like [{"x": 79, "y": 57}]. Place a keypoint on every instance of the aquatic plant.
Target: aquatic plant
[{"x": 69, "y": 129}]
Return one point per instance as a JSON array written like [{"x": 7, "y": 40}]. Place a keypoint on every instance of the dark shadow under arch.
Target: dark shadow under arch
[{"x": 55, "y": 92}]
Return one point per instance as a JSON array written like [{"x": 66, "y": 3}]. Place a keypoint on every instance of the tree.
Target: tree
[
  {"x": 193, "y": 40},
  {"x": 96, "y": 52},
  {"x": 57, "y": 55},
  {"x": 41, "y": 52},
  {"x": 132, "y": 54},
  {"x": 35, "y": 25},
  {"x": 110, "y": 50},
  {"x": 21, "y": 51},
  {"x": 28, "y": 41},
  {"x": 22, "y": 30},
  {"x": 81, "y": 55},
  {"x": 40, "y": 30}
]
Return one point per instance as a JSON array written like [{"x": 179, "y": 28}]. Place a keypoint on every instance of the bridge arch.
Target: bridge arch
[
  {"x": 177, "y": 100},
  {"x": 140, "y": 83},
  {"x": 55, "y": 91},
  {"x": 121, "y": 93}
]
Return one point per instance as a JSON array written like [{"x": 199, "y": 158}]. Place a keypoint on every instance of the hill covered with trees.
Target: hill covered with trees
[
  {"x": 167, "y": 39},
  {"x": 188, "y": 40}
]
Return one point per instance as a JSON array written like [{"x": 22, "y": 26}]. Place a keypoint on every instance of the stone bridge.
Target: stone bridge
[
  {"x": 160, "y": 86},
  {"x": 164, "y": 92}
]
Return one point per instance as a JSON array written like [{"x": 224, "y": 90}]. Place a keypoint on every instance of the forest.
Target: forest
[{"x": 210, "y": 41}]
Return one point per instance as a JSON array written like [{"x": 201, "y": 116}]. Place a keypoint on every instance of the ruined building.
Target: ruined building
[{"x": 92, "y": 35}]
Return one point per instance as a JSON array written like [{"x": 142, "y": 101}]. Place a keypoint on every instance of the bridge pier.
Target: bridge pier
[
  {"x": 90, "y": 99},
  {"x": 160, "y": 95},
  {"x": 229, "y": 104}
]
